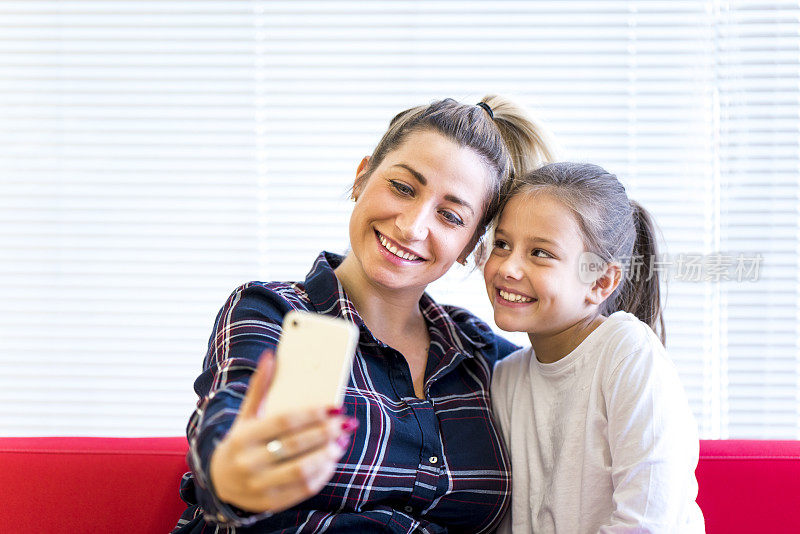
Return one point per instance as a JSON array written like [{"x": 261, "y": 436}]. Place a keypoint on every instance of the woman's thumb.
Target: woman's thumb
[{"x": 259, "y": 384}]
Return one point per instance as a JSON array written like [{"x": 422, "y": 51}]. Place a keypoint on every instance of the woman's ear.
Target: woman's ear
[
  {"x": 361, "y": 172},
  {"x": 605, "y": 284}
]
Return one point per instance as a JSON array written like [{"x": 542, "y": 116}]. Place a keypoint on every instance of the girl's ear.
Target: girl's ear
[{"x": 605, "y": 284}]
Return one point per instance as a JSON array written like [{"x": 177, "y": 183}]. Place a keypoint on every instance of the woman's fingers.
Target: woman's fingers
[
  {"x": 248, "y": 474},
  {"x": 259, "y": 385},
  {"x": 298, "y": 479},
  {"x": 297, "y": 493},
  {"x": 303, "y": 441},
  {"x": 277, "y": 488},
  {"x": 305, "y": 446},
  {"x": 264, "y": 430}
]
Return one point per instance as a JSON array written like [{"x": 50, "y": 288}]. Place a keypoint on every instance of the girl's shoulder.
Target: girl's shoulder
[
  {"x": 493, "y": 346},
  {"x": 513, "y": 367},
  {"x": 630, "y": 347},
  {"x": 623, "y": 331}
]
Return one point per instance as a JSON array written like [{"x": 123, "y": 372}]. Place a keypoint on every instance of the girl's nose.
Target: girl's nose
[{"x": 511, "y": 268}]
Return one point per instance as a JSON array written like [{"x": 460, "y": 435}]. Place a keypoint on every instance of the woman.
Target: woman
[{"x": 419, "y": 450}]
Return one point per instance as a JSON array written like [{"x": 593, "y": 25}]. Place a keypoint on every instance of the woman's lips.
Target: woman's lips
[{"x": 397, "y": 251}]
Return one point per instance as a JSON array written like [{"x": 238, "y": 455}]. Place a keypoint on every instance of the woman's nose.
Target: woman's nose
[{"x": 413, "y": 223}]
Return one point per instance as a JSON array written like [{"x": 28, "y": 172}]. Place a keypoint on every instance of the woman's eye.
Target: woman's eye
[
  {"x": 539, "y": 253},
  {"x": 452, "y": 218},
  {"x": 401, "y": 188}
]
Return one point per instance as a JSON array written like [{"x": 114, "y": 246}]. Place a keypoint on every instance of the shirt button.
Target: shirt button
[
  {"x": 408, "y": 509},
  {"x": 433, "y": 459}
]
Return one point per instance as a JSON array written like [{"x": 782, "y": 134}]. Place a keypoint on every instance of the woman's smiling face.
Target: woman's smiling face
[{"x": 418, "y": 211}]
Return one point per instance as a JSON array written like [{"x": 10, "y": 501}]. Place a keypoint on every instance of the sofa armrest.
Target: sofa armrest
[
  {"x": 79, "y": 484},
  {"x": 749, "y": 486}
]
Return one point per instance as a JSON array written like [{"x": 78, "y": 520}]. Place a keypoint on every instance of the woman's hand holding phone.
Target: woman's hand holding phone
[{"x": 272, "y": 463}]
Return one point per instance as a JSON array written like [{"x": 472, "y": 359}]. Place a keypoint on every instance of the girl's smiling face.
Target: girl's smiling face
[{"x": 532, "y": 275}]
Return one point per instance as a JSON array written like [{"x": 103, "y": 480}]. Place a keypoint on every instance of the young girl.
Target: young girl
[{"x": 598, "y": 426}]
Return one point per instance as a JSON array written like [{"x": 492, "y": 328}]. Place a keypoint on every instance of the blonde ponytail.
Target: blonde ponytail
[{"x": 528, "y": 143}]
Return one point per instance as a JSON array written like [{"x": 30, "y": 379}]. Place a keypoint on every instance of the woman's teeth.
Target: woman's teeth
[
  {"x": 394, "y": 250},
  {"x": 513, "y": 297}
]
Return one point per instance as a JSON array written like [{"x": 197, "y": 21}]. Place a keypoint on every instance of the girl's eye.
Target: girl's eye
[
  {"x": 539, "y": 253},
  {"x": 401, "y": 188},
  {"x": 452, "y": 218},
  {"x": 499, "y": 243}
]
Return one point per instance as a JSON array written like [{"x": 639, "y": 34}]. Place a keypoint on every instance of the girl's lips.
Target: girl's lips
[
  {"x": 513, "y": 299},
  {"x": 384, "y": 242}
]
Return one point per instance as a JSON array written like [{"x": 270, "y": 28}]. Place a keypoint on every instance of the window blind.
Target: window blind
[
  {"x": 157, "y": 154},
  {"x": 129, "y": 206},
  {"x": 758, "y": 161}
]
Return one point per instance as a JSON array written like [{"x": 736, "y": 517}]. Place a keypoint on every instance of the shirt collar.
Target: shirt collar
[
  {"x": 326, "y": 292},
  {"x": 327, "y": 296}
]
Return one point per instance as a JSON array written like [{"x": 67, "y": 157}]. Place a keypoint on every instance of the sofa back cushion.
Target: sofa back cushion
[
  {"x": 83, "y": 484},
  {"x": 130, "y": 485}
]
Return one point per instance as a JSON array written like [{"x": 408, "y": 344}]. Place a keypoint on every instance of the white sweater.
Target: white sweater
[{"x": 601, "y": 441}]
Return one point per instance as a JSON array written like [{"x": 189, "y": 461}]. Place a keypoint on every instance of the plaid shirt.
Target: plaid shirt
[{"x": 414, "y": 465}]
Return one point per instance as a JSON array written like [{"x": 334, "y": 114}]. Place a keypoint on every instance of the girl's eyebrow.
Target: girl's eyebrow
[
  {"x": 424, "y": 181},
  {"x": 544, "y": 240},
  {"x": 533, "y": 239}
]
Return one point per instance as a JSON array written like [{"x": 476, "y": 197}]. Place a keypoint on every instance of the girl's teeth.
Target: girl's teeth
[{"x": 513, "y": 297}]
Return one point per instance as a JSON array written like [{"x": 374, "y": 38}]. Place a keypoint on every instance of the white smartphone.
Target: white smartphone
[{"x": 312, "y": 363}]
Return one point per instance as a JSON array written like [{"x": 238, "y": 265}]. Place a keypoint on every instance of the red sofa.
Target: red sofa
[{"x": 120, "y": 485}]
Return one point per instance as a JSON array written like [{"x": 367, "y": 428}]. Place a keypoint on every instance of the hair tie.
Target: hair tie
[{"x": 485, "y": 106}]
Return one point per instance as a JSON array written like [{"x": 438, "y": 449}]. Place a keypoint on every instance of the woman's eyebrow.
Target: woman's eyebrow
[
  {"x": 416, "y": 174},
  {"x": 424, "y": 181},
  {"x": 461, "y": 202}
]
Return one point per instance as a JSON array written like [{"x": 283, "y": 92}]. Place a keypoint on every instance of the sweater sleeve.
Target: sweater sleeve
[
  {"x": 248, "y": 323},
  {"x": 502, "y": 393},
  {"x": 652, "y": 437}
]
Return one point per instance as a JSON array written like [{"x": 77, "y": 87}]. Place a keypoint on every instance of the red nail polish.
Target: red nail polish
[
  {"x": 350, "y": 424},
  {"x": 335, "y": 411},
  {"x": 343, "y": 441}
]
